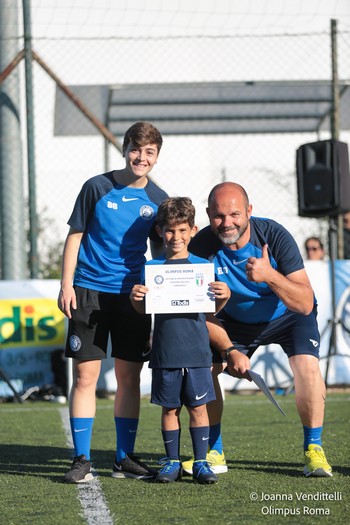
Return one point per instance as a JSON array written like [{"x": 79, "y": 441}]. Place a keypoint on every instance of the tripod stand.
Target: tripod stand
[
  {"x": 334, "y": 322},
  {"x": 7, "y": 380}
]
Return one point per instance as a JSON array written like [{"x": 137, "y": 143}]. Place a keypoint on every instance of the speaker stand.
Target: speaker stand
[{"x": 334, "y": 322}]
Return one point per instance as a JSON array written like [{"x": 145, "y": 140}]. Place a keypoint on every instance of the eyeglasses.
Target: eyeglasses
[{"x": 312, "y": 248}]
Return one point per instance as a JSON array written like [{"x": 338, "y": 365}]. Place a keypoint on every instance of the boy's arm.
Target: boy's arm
[
  {"x": 222, "y": 293},
  {"x": 67, "y": 298},
  {"x": 137, "y": 297}
]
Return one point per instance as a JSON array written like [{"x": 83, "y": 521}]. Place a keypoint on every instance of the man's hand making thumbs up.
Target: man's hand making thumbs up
[{"x": 259, "y": 269}]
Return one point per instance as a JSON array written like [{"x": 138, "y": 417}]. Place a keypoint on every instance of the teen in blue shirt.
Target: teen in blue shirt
[{"x": 104, "y": 253}]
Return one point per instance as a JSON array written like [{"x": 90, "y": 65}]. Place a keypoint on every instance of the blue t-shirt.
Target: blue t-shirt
[
  {"x": 116, "y": 221},
  {"x": 250, "y": 302},
  {"x": 180, "y": 340}
]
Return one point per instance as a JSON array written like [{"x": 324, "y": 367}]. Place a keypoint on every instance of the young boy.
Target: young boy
[
  {"x": 181, "y": 356},
  {"x": 104, "y": 253}
]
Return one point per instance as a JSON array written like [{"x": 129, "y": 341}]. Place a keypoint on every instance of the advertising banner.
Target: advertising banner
[{"x": 32, "y": 326}]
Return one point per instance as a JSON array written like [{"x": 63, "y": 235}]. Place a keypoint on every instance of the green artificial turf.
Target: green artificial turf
[{"x": 263, "y": 451}]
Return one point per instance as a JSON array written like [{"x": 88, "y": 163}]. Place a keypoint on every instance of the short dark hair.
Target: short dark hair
[
  {"x": 142, "y": 133},
  {"x": 176, "y": 210},
  {"x": 315, "y": 239}
]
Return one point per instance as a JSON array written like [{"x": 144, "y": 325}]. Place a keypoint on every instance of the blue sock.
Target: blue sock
[
  {"x": 215, "y": 439},
  {"x": 200, "y": 438},
  {"x": 312, "y": 436},
  {"x": 171, "y": 440},
  {"x": 81, "y": 428},
  {"x": 126, "y": 429}
]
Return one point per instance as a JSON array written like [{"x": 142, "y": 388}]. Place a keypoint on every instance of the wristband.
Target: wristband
[{"x": 227, "y": 352}]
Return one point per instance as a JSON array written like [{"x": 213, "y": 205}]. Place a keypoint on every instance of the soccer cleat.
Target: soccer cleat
[
  {"x": 171, "y": 471},
  {"x": 132, "y": 467},
  {"x": 316, "y": 463},
  {"x": 80, "y": 471},
  {"x": 216, "y": 461},
  {"x": 203, "y": 474}
]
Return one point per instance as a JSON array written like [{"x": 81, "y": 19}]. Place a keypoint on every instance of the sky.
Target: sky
[{"x": 126, "y": 18}]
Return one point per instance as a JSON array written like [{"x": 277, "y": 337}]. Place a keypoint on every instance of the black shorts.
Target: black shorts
[
  {"x": 295, "y": 333},
  {"x": 100, "y": 315}
]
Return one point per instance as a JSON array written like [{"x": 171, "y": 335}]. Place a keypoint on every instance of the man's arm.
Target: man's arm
[
  {"x": 237, "y": 362},
  {"x": 294, "y": 289}
]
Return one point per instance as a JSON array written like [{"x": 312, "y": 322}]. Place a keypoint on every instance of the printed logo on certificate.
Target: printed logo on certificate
[{"x": 175, "y": 288}]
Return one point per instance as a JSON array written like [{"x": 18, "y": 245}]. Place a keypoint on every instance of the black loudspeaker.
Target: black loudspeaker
[{"x": 323, "y": 179}]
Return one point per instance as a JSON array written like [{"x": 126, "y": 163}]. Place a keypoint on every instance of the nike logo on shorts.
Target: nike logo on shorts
[{"x": 200, "y": 397}]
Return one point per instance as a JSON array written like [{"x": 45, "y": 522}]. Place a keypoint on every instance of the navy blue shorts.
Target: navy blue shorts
[
  {"x": 174, "y": 387},
  {"x": 295, "y": 333},
  {"x": 100, "y": 315}
]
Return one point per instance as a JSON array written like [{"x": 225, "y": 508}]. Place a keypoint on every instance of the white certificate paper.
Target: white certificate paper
[
  {"x": 258, "y": 380},
  {"x": 177, "y": 288}
]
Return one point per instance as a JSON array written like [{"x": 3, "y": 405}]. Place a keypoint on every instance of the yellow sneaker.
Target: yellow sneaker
[
  {"x": 316, "y": 463},
  {"x": 216, "y": 461}
]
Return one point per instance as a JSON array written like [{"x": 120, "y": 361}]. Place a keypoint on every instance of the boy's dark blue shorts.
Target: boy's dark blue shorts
[
  {"x": 100, "y": 315},
  {"x": 295, "y": 333},
  {"x": 174, "y": 387}
]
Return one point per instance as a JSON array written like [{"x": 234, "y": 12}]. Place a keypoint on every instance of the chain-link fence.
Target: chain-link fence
[{"x": 189, "y": 164}]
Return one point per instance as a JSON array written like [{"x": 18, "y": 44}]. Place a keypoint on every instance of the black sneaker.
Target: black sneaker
[
  {"x": 80, "y": 471},
  {"x": 132, "y": 467}
]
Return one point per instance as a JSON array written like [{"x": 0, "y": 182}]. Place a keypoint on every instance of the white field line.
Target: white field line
[{"x": 90, "y": 495}]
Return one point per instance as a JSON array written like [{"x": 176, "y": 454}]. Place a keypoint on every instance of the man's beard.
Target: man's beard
[{"x": 228, "y": 240}]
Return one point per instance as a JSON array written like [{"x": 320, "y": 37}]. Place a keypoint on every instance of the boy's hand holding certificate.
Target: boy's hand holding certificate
[{"x": 175, "y": 288}]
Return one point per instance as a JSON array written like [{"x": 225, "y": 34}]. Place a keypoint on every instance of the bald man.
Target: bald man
[{"x": 272, "y": 301}]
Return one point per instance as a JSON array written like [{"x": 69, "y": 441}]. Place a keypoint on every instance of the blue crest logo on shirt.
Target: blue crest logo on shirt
[{"x": 147, "y": 212}]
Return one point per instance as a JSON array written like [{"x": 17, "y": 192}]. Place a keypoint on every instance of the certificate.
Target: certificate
[
  {"x": 175, "y": 288},
  {"x": 258, "y": 380}
]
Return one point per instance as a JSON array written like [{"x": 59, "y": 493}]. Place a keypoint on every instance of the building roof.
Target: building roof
[{"x": 205, "y": 108}]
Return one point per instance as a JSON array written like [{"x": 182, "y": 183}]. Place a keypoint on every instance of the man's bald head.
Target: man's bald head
[
  {"x": 228, "y": 188},
  {"x": 229, "y": 213}
]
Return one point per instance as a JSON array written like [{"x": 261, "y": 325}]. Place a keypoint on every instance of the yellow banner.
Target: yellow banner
[{"x": 31, "y": 322}]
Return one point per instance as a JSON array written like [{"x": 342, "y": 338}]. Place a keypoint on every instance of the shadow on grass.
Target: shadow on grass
[
  {"x": 284, "y": 468},
  {"x": 53, "y": 462}
]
